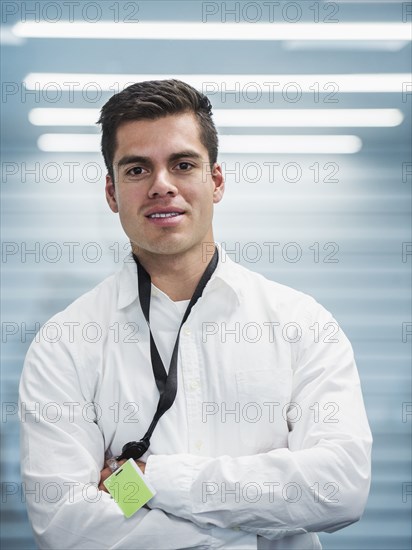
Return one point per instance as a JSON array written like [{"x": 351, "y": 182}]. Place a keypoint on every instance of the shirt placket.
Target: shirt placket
[{"x": 190, "y": 365}]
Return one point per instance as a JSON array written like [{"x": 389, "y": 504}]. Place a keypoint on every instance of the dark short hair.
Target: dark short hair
[{"x": 151, "y": 100}]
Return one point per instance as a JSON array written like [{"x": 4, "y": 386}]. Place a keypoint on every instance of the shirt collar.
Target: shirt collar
[
  {"x": 127, "y": 287},
  {"x": 229, "y": 272},
  {"x": 128, "y": 291}
]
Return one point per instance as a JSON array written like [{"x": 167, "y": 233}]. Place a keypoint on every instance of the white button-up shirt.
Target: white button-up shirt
[{"x": 266, "y": 443}]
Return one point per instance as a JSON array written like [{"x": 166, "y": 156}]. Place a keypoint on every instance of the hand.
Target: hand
[
  {"x": 142, "y": 465},
  {"x": 106, "y": 472}
]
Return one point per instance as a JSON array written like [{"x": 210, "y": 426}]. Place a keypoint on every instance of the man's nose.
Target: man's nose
[{"x": 162, "y": 184}]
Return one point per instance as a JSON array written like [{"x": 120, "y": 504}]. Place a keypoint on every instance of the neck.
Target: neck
[{"x": 177, "y": 275}]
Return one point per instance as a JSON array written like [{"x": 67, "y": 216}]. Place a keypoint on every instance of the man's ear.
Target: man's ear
[
  {"x": 219, "y": 182},
  {"x": 111, "y": 194}
]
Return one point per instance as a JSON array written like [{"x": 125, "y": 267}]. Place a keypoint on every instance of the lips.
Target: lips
[
  {"x": 164, "y": 212},
  {"x": 164, "y": 215}
]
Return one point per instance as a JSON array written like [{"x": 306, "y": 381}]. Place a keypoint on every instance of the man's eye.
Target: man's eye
[
  {"x": 184, "y": 166},
  {"x": 135, "y": 171}
]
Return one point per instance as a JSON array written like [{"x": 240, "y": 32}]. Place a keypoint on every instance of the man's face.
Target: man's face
[{"x": 164, "y": 190}]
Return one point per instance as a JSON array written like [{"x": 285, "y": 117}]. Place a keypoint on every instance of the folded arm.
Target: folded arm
[
  {"x": 62, "y": 457},
  {"x": 320, "y": 482}
]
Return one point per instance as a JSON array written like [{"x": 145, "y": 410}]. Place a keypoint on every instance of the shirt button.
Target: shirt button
[
  {"x": 199, "y": 444},
  {"x": 194, "y": 385},
  {"x": 187, "y": 331}
]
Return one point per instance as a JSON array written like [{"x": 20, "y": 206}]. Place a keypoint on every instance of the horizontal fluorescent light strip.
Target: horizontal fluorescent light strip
[
  {"x": 214, "y": 31},
  {"x": 289, "y": 144},
  {"x": 294, "y": 118},
  {"x": 242, "y": 144},
  {"x": 230, "y": 86},
  {"x": 64, "y": 117},
  {"x": 369, "y": 46},
  {"x": 242, "y": 118}
]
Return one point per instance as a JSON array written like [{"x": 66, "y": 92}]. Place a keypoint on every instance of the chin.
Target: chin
[{"x": 163, "y": 246}]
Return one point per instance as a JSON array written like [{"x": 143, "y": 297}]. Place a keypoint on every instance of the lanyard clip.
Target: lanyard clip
[{"x": 134, "y": 449}]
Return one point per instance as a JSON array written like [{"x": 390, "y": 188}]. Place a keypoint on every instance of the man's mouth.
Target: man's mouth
[
  {"x": 164, "y": 214},
  {"x": 163, "y": 217}
]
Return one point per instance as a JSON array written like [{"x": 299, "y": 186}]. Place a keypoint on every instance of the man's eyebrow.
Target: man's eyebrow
[
  {"x": 133, "y": 159},
  {"x": 185, "y": 154}
]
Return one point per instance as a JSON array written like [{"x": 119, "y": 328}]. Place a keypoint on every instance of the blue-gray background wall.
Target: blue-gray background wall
[{"x": 343, "y": 234}]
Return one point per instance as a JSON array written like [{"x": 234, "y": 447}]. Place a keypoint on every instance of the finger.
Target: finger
[
  {"x": 142, "y": 465},
  {"x": 104, "y": 474},
  {"x": 102, "y": 488}
]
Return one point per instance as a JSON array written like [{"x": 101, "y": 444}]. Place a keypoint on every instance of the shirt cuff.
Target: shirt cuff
[{"x": 172, "y": 477}]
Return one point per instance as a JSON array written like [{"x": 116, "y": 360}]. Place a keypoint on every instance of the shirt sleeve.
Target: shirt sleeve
[
  {"x": 62, "y": 454},
  {"x": 320, "y": 482}
]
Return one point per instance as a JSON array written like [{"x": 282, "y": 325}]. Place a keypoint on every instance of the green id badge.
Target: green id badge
[{"x": 129, "y": 488}]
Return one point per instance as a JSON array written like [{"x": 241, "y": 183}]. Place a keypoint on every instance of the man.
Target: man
[{"x": 265, "y": 441}]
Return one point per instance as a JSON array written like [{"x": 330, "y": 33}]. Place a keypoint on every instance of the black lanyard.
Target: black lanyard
[{"x": 166, "y": 383}]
